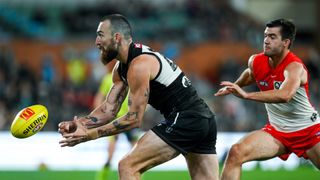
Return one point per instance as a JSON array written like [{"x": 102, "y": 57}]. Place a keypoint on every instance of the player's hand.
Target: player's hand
[
  {"x": 222, "y": 92},
  {"x": 67, "y": 126},
  {"x": 234, "y": 89},
  {"x": 81, "y": 134},
  {"x": 70, "y": 126}
]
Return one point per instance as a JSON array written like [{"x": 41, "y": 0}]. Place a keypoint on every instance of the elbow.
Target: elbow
[
  {"x": 135, "y": 123},
  {"x": 285, "y": 98},
  {"x": 138, "y": 124}
]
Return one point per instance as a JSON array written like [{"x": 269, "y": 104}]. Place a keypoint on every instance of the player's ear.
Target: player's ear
[
  {"x": 117, "y": 37},
  {"x": 287, "y": 42}
]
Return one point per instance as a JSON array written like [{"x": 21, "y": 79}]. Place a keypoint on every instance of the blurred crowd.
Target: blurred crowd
[
  {"x": 20, "y": 87},
  {"x": 189, "y": 23},
  {"x": 74, "y": 95}
]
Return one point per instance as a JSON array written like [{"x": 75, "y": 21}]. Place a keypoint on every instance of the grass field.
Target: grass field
[{"x": 299, "y": 174}]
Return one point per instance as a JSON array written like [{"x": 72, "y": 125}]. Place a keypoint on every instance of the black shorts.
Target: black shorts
[{"x": 189, "y": 131}]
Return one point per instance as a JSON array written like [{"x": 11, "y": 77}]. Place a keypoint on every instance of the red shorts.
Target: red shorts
[{"x": 296, "y": 142}]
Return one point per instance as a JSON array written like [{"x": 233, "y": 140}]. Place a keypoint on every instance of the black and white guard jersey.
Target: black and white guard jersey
[{"x": 170, "y": 91}]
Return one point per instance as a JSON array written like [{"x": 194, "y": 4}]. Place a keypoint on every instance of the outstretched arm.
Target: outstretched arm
[
  {"x": 246, "y": 78},
  {"x": 109, "y": 109},
  {"x": 105, "y": 112},
  {"x": 139, "y": 75},
  {"x": 294, "y": 74},
  {"x": 138, "y": 79}
]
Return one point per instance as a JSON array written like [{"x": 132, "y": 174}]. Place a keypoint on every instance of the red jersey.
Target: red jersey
[{"x": 298, "y": 113}]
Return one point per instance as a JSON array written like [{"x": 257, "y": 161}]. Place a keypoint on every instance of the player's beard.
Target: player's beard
[
  {"x": 273, "y": 51},
  {"x": 268, "y": 53},
  {"x": 108, "y": 55}
]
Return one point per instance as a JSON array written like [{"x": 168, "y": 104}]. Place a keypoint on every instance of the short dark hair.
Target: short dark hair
[
  {"x": 288, "y": 29},
  {"x": 119, "y": 23}
]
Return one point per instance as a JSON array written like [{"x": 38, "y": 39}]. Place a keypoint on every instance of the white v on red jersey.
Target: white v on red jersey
[{"x": 295, "y": 115}]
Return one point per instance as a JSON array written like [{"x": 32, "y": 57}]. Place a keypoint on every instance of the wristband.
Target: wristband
[{"x": 93, "y": 134}]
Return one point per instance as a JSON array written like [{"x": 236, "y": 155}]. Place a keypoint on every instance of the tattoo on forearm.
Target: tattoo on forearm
[
  {"x": 102, "y": 133},
  {"x": 123, "y": 94},
  {"x": 104, "y": 108},
  {"x": 114, "y": 111},
  {"x": 115, "y": 97},
  {"x": 132, "y": 115},
  {"x": 93, "y": 119},
  {"x": 129, "y": 101},
  {"x": 118, "y": 125}
]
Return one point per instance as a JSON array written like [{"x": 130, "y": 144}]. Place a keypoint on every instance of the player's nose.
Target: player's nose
[{"x": 98, "y": 42}]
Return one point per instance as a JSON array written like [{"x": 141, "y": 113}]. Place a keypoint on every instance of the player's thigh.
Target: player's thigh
[
  {"x": 149, "y": 151},
  {"x": 203, "y": 166},
  {"x": 258, "y": 145},
  {"x": 314, "y": 155}
]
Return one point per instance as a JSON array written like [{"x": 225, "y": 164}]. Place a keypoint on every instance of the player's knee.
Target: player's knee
[
  {"x": 126, "y": 167},
  {"x": 236, "y": 153}
]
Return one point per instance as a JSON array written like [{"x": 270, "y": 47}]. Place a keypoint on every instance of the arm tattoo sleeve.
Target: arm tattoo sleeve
[
  {"x": 103, "y": 133},
  {"x": 117, "y": 125},
  {"x": 93, "y": 119},
  {"x": 114, "y": 100},
  {"x": 132, "y": 115}
]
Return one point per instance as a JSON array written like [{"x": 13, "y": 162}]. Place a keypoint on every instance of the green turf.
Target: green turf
[{"x": 300, "y": 174}]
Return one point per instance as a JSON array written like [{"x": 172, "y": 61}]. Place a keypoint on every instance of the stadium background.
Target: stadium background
[{"x": 48, "y": 56}]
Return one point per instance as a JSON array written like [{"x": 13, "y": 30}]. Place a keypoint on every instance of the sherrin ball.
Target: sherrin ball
[{"x": 29, "y": 121}]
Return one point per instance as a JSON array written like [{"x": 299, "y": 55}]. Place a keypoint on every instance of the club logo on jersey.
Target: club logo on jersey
[
  {"x": 185, "y": 82},
  {"x": 314, "y": 117},
  {"x": 137, "y": 45},
  {"x": 277, "y": 84},
  {"x": 264, "y": 83},
  {"x": 169, "y": 130}
]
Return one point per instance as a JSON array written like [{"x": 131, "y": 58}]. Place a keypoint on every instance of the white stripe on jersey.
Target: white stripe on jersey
[
  {"x": 168, "y": 70},
  {"x": 294, "y": 115}
]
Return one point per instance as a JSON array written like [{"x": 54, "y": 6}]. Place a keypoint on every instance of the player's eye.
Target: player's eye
[{"x": 100, "y": 35}]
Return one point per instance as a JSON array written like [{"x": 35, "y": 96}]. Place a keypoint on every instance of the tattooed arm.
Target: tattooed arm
[
  {"x": 109, "y": 109},
  {"x": 142, "y": 70},
  {"x": 138, "y": 79},
  {"x": 104, "y": 113}
]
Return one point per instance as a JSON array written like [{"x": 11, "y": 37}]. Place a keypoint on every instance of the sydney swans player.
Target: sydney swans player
[{"x": 294, "y": 125}]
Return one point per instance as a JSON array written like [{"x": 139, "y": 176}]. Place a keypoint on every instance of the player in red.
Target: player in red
[{"x": 294, "y": 125}]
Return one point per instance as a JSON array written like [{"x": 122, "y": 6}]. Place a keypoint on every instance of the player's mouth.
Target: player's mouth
[
  {"x": 100, "y": 47},
  {"x": 266, "y": 48}
]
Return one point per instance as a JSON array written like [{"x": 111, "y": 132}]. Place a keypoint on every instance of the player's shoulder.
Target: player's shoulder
[
  {"x": 252, "y": 58},
  {"x": 143, "y": 61},
  {"x": 258, "y": 56},
  {"x": 140, "y": 65},
  {"x": 292, "y": 61},
  {"x": 256, "y": 59},
  {"x": 294, "y": 57}
]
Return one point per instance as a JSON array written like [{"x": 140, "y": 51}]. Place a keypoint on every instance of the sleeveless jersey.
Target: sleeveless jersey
[
  {"x": 170, "y": 91},
  {"x": 298, "y": 113}
]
